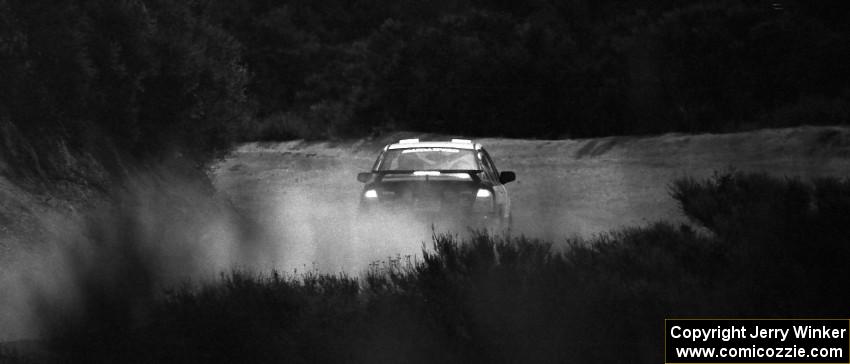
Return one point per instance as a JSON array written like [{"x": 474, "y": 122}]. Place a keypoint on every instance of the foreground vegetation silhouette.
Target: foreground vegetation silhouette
[{"x": 758, "y": 246}]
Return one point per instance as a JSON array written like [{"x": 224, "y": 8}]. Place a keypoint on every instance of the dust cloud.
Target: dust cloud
[
  {"x": 166, "y": 229},
  {"x": 306, "y": 229},
  {"x": 163, "y": 230}
]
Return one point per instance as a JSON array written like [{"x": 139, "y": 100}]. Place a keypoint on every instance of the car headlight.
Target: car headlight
[
  {"x": 483, "y": 203},
  {"x": 370, "y": 194}
]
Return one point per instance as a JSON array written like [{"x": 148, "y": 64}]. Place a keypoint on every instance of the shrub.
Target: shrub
[{"x": 786, "y": 239}]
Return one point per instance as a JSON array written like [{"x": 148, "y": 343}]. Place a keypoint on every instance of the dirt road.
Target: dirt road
[{"x": 304, "y": 194}]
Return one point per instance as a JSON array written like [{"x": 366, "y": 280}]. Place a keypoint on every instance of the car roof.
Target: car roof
[{"x": 415, "y": 143}]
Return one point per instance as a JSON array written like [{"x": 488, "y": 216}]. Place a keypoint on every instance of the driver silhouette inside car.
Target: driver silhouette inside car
[{"x": 410, "y": 162}]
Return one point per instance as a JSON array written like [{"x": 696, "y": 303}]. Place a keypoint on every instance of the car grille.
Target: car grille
[{"x": 427, "y": 201}]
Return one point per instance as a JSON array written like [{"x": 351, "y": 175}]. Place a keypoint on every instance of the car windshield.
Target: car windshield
[{"x": 425, "y": 159}]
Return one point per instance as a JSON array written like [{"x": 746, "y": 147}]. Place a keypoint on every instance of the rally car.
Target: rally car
[{"x": 453, "y": 181}]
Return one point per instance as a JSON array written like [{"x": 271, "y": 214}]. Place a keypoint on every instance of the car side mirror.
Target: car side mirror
[
  {"x": 364, "y": 176},
  {"x": 507, "y": 176}
]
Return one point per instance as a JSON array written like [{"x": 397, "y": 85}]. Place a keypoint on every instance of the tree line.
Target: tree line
[{"x": 154, "y": 75}]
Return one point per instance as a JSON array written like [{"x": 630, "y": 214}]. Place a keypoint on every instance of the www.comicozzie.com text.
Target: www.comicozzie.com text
[{"x": 758, "y": 352}]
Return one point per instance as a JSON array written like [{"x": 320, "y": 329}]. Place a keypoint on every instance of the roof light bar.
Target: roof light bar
[
  {"x": 408, "y": 141},
  {"x": 467, "y": 141}
]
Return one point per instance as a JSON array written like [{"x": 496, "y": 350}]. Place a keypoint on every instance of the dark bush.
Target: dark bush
[
  {"x": 787, "y": 239},
  {"x": 147, "y": 77}
]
